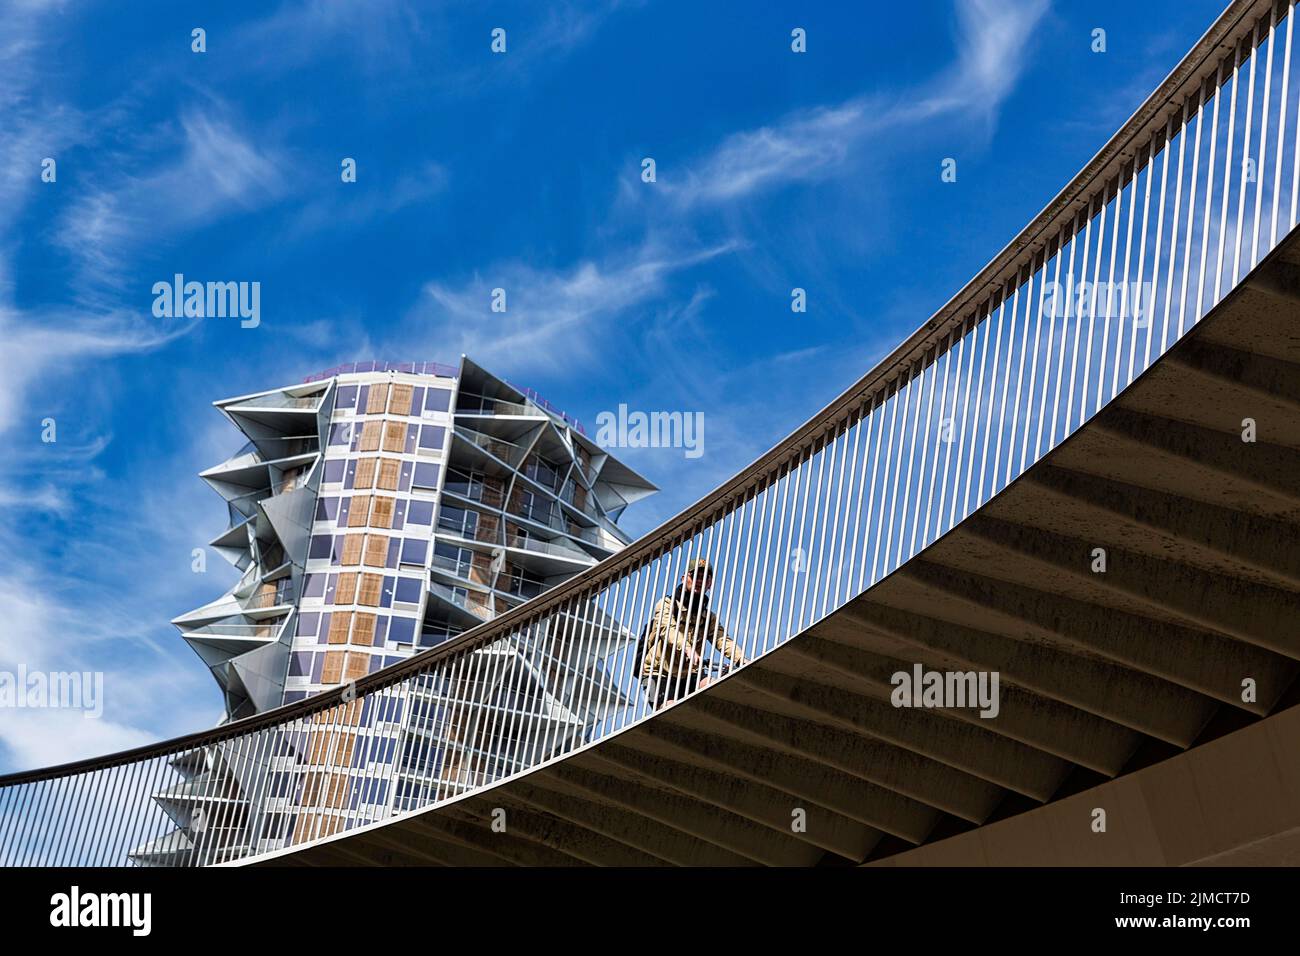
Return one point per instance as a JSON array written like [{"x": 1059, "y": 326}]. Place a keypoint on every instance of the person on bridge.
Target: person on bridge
[{"x": 672, "y": 663}]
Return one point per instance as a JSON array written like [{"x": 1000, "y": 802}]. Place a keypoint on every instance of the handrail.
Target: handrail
[{"x": 1031, "y": 244}]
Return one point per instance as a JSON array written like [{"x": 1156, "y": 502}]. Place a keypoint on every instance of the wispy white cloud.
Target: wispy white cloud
[
  {"x": 219, "y": 172},
  {"x": 815, "y": 143},
  {"x": 393, "y": 37},
  {"x": 803, "y": 146},
  {"x": 379, "y": 34},
  {"x": 992, "y": 37},
  {"x": 49, "y": 627},
  {"x": 368, "y": 200},
  {"x": 47, "y": 345},
  {"x": 549, "y": 313}
]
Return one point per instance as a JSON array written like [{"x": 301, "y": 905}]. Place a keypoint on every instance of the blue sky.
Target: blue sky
[{"x": 522, "y": 171}]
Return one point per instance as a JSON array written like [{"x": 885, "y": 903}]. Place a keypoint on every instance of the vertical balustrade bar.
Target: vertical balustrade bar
[
  {"x": 988, "y": 416},
  {"x": 1283, "y": 103},
  {"x": 1110, "y": 211},
  {"x": 974, "y": 427},
  {"x": 1245, "y": 145},
  {"x": 963, "y": 427},
  {"x": 1216, "y": 90},
  {"x": 1191, "y": 211},
  {"x": 1263, "y": 139},
  {"x": 1034, "y": 422},
  {"x": 895, "y": 400}
]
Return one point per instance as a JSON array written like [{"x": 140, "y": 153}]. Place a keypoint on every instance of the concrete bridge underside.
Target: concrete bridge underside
[{"x": 1121, "y": 690}]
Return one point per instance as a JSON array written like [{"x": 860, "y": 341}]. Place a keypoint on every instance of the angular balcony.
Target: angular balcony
[{"x": 505, "y": 451}]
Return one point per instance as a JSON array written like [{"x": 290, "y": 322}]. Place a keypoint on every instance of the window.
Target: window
[
  {"x": 360, "y": 510},
  {"x": 395, "y": 436},
  {"x": 377, "y": 401},
  {"x": 352, "y": 549},
  {"x": 340, "y": 622},
  {"x": 369, "y": 591},
  {"x": 426, "y": 475},
  {"x": 322, "y": 546},
  {"x": 521, "y": 584},
  {"x": 458, "y": 520},
  {"x": 420, "y": 512},
  {"x": 364, "y": 632},
  {"x": 542, "y": 472},
  {"x": 414, "y": 551},
  {"x": 346, "y": 397},
  {"x": 370, "y": 432},
  {"x": 300, "y": 664},
  {"x": 409, "y": 590},
  {"x": 529, "y": 505},
  {"x": 383, "y": 513},
  {"x": 341, "y": 433},
  {"x": 401, "y": 403},
  {"x": 454, "y": 558},
  {"x": 327, "y": 509},
  {"x": 346, "y": 591},
  {"x": 314, "y": 585},
  {"x": 365, "y": 473},
  {"x": 333, "y": 472},
  {"x": 432, "y": 437},
  {"x": 376, "y": 551},
  {"x": 389, "y": 470},
  {"x": 437, "y": 400},
  {"x": 401, "y": 630}
]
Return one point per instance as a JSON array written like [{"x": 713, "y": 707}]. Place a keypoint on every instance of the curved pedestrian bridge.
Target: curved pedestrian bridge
[{"x": 1040, "y": 562}]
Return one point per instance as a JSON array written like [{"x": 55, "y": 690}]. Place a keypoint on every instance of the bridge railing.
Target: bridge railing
[{"x": 1179, "y": 206}]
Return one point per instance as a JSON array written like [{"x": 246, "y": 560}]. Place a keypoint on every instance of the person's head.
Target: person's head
[{"x": 698, "y": 577}]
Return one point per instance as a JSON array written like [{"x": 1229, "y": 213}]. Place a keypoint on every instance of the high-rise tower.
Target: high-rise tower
[{"x": 377, "y": 510}]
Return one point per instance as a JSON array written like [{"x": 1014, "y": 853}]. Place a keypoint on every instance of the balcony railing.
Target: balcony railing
[
  {"x": 457, "y": 484},
  {"x": 530, "y": 543},
  {"x": 1002, "y": 374},
  {"x": 469, "y": 403},
  {"x": 264, "y": 629},
  {"x": 265, "y": 599},
  {"x": 276, "y": 401},
  {"x": 506, "y": 451},
  {"x": 412, "y": 368},
  {"x": 471, "y": 601}
]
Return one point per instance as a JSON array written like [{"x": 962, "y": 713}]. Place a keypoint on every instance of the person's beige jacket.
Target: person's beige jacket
[{"x": 676, "y": 630}]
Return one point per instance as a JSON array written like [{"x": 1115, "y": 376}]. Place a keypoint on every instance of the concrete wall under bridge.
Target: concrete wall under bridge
[{"x": 1232, "y": 802}]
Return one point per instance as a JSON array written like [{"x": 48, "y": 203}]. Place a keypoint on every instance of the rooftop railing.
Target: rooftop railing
[
  {"x": 410, "y": 368},
  {"x": 1041, "y": 339}
]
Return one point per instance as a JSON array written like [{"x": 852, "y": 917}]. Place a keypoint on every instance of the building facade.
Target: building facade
[
  {"x": 376, "y": 511},
  {"x": 384, "y": 508}
]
